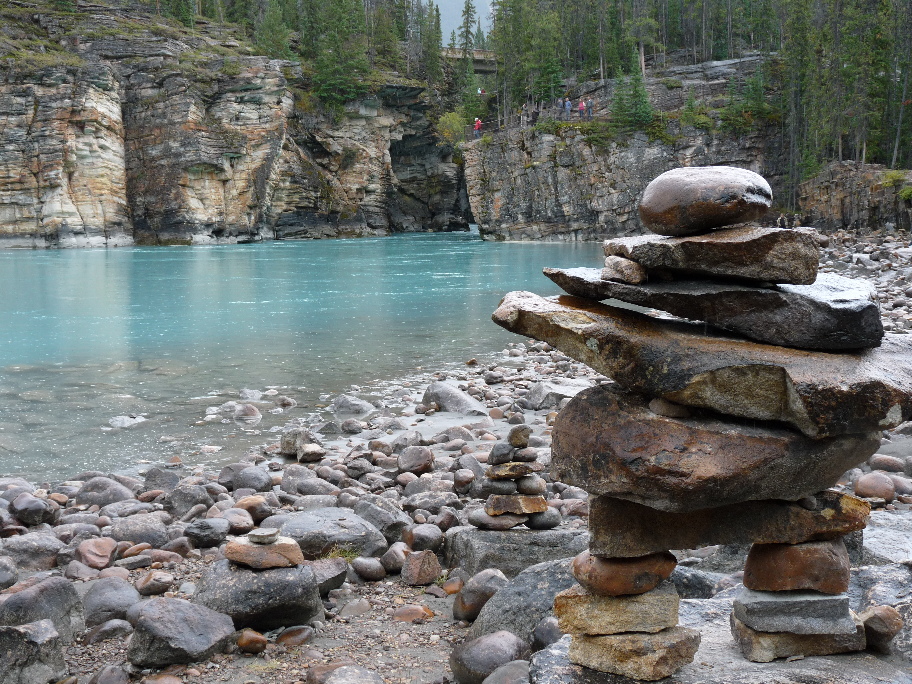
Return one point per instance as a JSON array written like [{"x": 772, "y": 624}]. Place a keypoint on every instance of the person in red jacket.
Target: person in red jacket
[{"x": 477, "y": 127}]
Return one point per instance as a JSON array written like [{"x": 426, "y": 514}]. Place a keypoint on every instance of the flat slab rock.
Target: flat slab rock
[
  {"x": 718, "y": 660},
  {"x": 821, "y": 394},
  {"x": 510, "y": 551},
  {"x": 767, "y": 255},
  {"x": 607, "y": 441},
  {"x": 835, "y": 313}
]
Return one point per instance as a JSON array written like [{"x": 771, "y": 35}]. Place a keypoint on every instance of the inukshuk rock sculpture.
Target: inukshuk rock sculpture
[
  {"x": 517, "y": 495},
  {"x": 707, "y": 437}
]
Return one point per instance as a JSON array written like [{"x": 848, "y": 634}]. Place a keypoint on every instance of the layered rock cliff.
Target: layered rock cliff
[
  {"x": 861, "y": 197},
  {"x": 568, "y": 182},
  {"x": 131, "y": 131}
]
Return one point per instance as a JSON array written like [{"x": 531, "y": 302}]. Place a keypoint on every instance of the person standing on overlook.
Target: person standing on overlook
[
  {"x": 477, "y": 128},
  {"x": 581, "y": 109},
  {"x": 589, "y": 109},
  {"x": 568, "y": 105}
]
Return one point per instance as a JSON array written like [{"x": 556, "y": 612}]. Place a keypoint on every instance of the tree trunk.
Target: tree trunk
[{"x": 902, "y": 108}]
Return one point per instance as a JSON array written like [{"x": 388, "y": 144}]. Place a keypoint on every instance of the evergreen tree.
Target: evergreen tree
[{"x": 271, "y": 35}]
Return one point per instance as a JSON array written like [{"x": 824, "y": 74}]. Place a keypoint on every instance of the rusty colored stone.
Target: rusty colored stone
[
  {"x": 412, "y": 612},
  {"x": 608, "y": 441},
  {"x": 96, "y": 553},
  {"x": 250, "y": 641},
  {"x": 624, "y": 529},
  {"x": 881, "y": 625},
  {"x": 517, "y": 504},
  {"x": 513, "y": 470},
  {"x": 691, "y": 200},
  {"x": 283, "y": 553},
  {"x": 818, "y": 566},
  {"x": 821, "y": 394},
  {"x": 296, "y": 636},
  {"x": 622, "y": 576},
  {"x": 420, "y": 569}
]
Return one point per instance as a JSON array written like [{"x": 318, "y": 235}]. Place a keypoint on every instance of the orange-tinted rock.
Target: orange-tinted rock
[
  {"x": 513, "y": 470},
  {"x": 257, "y": 507},
  {"x": 820, "y": 394},
  {"x": 881, "y": 625},
  {"x": 420, "y": 569},
  {"x": 623, "y": 270},
  {"x": 518, "y": 504},
  {"x": 96, "y": 553},
  {"x": 295, "y": 636},
  {"x": 876, "y": 485},
  {"x": 691, "y": 200},
  {"x": 284, "y": 553},
  {"x": 411, "y": 612},
  {"x": 608, "y": 441},
  {"x": 155, "y": 582},
  {"x": 452, "y": 586},
  {"x": 135, "y": 550},
  {"x": 817, "y": 566},
  {"x": 621, "y": 528},
  {"x": 151, "y": 495},
  {"x": 250, "y": 641},
  {"x": 622, "y": 576}
]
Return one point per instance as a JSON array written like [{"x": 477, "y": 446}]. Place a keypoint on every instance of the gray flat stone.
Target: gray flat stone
[
  {"x": 796, "y": 612},
  {"x": 834, "y": 313},
  {"x": 770, "y": 255},
  {"x": 510, "y": 551},
  {"x": 889, "y": 536},
  {"x": 718, "y": 660}
]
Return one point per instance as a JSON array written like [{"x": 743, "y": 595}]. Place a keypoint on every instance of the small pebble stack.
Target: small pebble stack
[
  {"x": 664, "y": 449},
  {"x": 512, "y": 468},
  {"x": 263, "y": 548}
]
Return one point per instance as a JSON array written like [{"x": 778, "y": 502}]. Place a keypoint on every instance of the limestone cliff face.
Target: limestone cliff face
[
  {"x": 529, "y": 185},
  {"x": 181, "y": 139},
  {"x": 862, "y": 197}
]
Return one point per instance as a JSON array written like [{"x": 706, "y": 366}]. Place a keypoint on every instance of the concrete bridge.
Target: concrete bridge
[{"x": 483, "y": 61}]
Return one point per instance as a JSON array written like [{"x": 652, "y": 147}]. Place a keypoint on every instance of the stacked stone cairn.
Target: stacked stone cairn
[
  {"x": 262, "y": 549},
  {"x": 516, "y": 491},
  {"x": 733, "y": 407}
]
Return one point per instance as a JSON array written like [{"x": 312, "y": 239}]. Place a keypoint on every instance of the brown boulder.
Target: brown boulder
[
  {"x": 881, "y": 624},
  {"x": 517, "y": 504},
  {"x": 691, "y": 200},
  {"x": 283, "y": 553},
  {"x": 513, "y": 470},
  {"x": 765, "y": 647},
  {"x": 96, "y": 553},
  {"x": 821, "y": 394},
  {"x": 251, "y": 641},
  {"x": 420, "y": 569},
  {"x": 623, "y": 529},
  {"x": 608, "y": 441},
  {"x": 581, "y": 612},
  {"x": 876, "y": 485},
  {"x": 623, "y": 270},
  {"x": 817, "y": 566},
  {"x": 622, "y": 576}
]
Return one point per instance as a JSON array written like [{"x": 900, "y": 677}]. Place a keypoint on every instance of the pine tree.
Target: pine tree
[{"x": 271, "y": 34}]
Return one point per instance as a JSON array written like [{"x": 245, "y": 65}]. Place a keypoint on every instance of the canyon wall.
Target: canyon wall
[{"x": 184, "y": 139}]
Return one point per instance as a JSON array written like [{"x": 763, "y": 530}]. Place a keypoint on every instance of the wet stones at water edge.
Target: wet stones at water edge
[
  {"x": 688, "y": 201},
  {"x": 668, "y": 474}
]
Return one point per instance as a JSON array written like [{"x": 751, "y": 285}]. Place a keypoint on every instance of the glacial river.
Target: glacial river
[{"x": 161, "y": 333}]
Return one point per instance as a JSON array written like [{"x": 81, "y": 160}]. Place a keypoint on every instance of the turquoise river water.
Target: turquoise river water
[{"x": 87, "y": 335}]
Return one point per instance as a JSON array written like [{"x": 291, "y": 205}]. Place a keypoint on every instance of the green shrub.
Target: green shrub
[
  {"x": 894, "y": 177},
  {"x": 451, "y": 127},
  {"x": 906, "y": 193},
  {"x": 672, "y": 83}
]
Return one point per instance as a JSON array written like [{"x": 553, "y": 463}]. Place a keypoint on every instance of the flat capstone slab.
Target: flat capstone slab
[
  {"x": 833, "y": 314},
  {"x": 263, "y": 535},
  {"x": 796, "y": 612}
]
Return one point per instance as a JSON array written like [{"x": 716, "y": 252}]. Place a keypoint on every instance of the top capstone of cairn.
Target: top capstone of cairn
[{"x": 694, "y": 200}]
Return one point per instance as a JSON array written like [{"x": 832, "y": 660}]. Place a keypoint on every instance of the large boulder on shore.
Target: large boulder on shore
[
  {"x": 260, "y": 599},
  {"x": 168, "y": 631},
  {"x": 101, "y": 491},
  {"x": 520, "y": 605},
  {"x": 33, "y": 552},
  {"x": 510, "y": 551},
  {"x": 109, "y": 598},
  {"x": 144, "y": 528},
  {"x": 31, "y": 654},
  {"x": 52, "y": 599},
  {"x": 320, "y": 531},
  {"x": 452, "y": 399}
]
